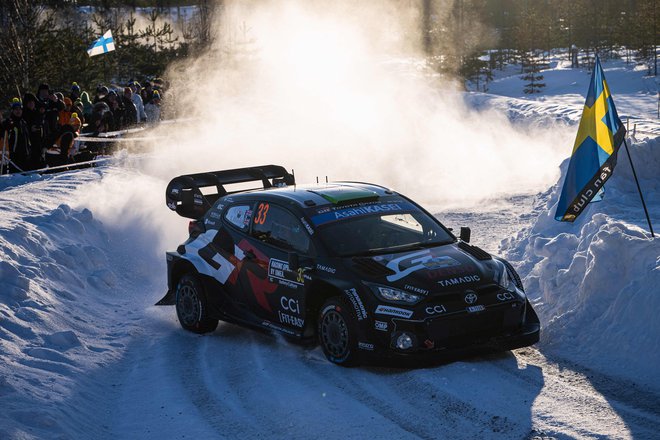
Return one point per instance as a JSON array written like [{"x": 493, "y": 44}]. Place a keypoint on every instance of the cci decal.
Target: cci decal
[
  {"x": 393, "y": 311},
  {"x": 435, "y": 310},
  {"x": 505, "y": 296},
  {"x": 353, "y": 296},
  {"x": 290, "y": 305},
  {"x": 459, "y": 280}
]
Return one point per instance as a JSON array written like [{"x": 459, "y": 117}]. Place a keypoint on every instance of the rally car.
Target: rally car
[{"x": 358, "y": 267}]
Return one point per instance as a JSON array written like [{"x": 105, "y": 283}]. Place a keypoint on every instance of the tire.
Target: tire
[
  {"x": 192, "y": 305},
  {"x": 337, "y": 332}
]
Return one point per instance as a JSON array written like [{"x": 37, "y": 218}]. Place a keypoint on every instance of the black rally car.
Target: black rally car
[{"x": 358, "y": 267}]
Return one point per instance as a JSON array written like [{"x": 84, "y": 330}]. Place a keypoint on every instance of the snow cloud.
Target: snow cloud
[{"x": 340, "y": 89}]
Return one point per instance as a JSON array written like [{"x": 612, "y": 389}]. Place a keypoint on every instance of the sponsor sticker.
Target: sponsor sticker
[
  {"x": 380, "y": 325},
  {"x": 307, "y": 226},
  {"x": 328, "y": 269},
  {"x": 416, "y": 289},
  {"x": 353, "y": 296},
  {"x": 505, "y": 296},
  {"x": 330, "y": 214},
  {"x": 459, "y": 280},
  {"x": 473, "y": 309},
  {"x": 365, "y": 346},
  {"x": 279, "y": 270},
  {"x": 435, "y": 310},
  {"x": 393, "y": 311}
]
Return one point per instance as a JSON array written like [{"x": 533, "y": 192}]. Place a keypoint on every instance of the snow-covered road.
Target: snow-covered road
[{"x": 98, "y": 360}]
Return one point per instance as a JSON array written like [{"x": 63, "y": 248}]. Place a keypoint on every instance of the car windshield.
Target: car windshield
[{"x": 381, "y": 234}]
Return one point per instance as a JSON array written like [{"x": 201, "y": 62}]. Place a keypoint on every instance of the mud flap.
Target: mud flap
[{"x": 168, "y": 300}]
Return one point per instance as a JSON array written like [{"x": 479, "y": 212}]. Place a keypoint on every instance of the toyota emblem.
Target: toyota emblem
[{"x": 471, "y": 297}]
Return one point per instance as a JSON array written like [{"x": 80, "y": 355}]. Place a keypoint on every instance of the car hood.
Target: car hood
[{"x": 428, "y": 271}]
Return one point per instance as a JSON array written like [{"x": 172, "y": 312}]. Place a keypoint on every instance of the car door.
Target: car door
[
  {"x": 278, "y": 292},
  {"x": 224, "y": 228}
]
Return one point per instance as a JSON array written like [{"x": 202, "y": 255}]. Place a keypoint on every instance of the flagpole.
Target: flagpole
[{"x": 648, "y": 219}]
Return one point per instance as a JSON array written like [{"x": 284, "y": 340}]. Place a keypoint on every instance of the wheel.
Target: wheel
[
  {"x": 338, "y": 333},
  {"x": 192, "y": 306}
]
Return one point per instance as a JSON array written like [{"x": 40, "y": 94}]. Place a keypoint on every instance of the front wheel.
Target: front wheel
[
  {"x": 337, "y": 333},
  {"x": 192, "y": 305}
]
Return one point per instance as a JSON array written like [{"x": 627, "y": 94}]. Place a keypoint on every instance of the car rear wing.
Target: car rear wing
[{"x": 191, "y": 195}]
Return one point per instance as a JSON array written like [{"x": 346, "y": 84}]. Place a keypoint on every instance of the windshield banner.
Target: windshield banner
[{"x": 329, "y": 214}]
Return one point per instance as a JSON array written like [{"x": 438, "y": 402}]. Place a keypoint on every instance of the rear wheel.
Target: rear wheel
[
  {"x": 192, "y": 305},
  {"x": 337, "y": 333}
]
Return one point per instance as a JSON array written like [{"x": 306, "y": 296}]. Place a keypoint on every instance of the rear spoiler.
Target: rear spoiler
[{"x": 184, "y": 193}]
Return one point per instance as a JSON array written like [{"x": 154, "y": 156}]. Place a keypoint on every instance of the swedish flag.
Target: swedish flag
[{"x": 594, "y": 153}]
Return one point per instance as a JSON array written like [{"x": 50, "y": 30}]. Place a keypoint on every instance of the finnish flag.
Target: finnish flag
[{"x": 102, "y": 45}]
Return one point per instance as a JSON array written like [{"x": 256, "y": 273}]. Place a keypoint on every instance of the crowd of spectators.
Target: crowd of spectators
[{"x": 41, "y": 128}]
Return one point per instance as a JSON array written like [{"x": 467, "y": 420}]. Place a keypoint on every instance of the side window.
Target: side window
[
  {"x": 277, "y": 226},
  {"x": 239, "y": 216}
]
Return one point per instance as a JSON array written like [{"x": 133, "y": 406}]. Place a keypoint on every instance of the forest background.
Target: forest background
[{"x": 47, "y": 40}]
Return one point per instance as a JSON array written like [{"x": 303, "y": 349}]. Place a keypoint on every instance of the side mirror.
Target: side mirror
[
  {"x": 294, "y": 261},
  {"x": 465, "y": 234}
]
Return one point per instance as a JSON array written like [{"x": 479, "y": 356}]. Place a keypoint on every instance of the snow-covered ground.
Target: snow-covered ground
[{"x": 85, "y": 354}]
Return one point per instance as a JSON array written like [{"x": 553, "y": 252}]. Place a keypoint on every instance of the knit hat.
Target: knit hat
[
  {"x": 75, "y": 121},
  {"x": 156, "y": 95},
  {"x": 16, "y": 103},
  {"x": 75, "y": 87},
  {"x": 68, "y": 102}
]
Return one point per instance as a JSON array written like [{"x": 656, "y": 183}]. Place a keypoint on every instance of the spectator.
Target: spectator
[
  {"x": 152, "y": 109},
  {"x": 117, "y": 110},
  {"x": 147, "y": 92},
  {"x": 75, "y": 92},
  {"x": 43, "y": 92},
  {"x": 64, "y": 116},
  {"x": 33, "y": 114},
  {"x": 87, "y": 105},
  {"x": 15, "y": 142},
  {"x": 130, "y": 111},
  {"x": 137, "y": 100},
  {"x": 63, "y": 149},
  {"x": 101, "y": 92}
]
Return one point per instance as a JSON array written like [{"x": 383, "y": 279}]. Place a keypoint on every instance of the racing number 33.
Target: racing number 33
[{"x": 262, "y": 211}]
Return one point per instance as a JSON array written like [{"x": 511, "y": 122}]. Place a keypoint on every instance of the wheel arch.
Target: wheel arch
[{"x": 320, "y": 292}]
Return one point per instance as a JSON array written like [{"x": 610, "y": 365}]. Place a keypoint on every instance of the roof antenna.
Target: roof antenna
[
  {"x": 317, "y": 179},
  {"x": 326, "y": 179}
]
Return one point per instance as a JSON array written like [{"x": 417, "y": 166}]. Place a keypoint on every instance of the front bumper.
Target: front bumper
[{"x": 448, "y": 338}]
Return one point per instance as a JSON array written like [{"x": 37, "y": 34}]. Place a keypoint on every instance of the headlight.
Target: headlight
[
  {"x": 504, "y": 279},
  {"x": 395, "y": 295}
]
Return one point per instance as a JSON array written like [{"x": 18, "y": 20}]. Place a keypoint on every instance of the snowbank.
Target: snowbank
[{"x": 596, "y": 283}]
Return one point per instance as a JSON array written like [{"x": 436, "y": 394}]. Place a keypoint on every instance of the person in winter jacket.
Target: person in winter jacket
[
  {"x": 137, "y": 100},
  {"x": 130, "y": 111},
  {"x": 63, "y": 149},
  {"x": 86, "y": 105},
  {"x": 33, "y": 113},
  {"x": 75, "y": 92},
  {"x": 152, "y": 109},
  {"x": 15, "y": 149}
]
